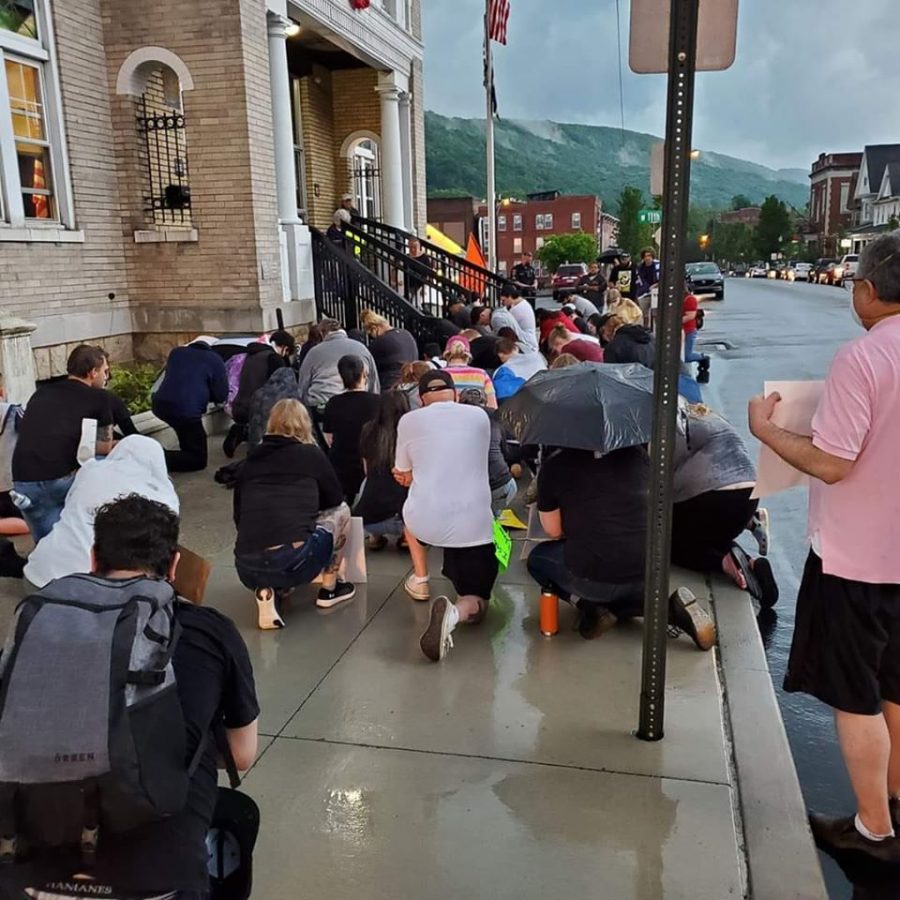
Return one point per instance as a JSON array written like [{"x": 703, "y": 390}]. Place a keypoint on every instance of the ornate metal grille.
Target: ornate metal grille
[{"x": 167, "y": 192}]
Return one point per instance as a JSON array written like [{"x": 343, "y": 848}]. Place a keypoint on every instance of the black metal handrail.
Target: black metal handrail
[
  {"x": 421, "y": 284},
  {"x": 458, "y": 269},
  {"x": 345, "y": 287}
]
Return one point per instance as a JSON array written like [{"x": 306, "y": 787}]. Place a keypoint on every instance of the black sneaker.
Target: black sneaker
[
  {"x": 233, "y": 440},
  {"x": 594, "y": 619},
  {"x": 343, "y": 590},
  {"x": 839, "y": 838},
  {"x": 687, "y": 615}
]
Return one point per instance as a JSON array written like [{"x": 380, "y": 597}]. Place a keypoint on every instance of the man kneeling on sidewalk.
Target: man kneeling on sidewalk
[
  {"x": 442, "y": 456},
  {"x": 595, "y": 509}
]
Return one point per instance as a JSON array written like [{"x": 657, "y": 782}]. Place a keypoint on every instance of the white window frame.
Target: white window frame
[
  {"x": 501, "y": 223},
  {"x": 539, "y": 222},
  {"x": 576, "y": 220},
  {"x": 517, "y": 246},
  {"x": 517, "y": 221},
  {"x": 40, "y": 53}
]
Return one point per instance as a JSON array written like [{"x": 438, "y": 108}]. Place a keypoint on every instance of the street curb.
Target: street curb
[{"x": 781, "y": 858}]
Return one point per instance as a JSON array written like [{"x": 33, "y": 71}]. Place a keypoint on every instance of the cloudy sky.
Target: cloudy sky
[{"x": 810, "y": 76}]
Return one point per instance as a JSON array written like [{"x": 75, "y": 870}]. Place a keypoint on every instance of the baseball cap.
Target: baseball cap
[{"x": 437, "y": 380}]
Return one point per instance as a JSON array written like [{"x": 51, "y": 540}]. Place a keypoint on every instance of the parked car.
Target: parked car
[
  {"x": 849, "y": 264},
  {"x": 567, "y": 276},
  {"x": 833, "y": 274},
  {"x": 817, "y": 273},
  {"x": 739, "y": 271},
  {"x": 800, "y": 271},
  {"x": 705, "y": 278},
  {"x": 757, "y": 271}
]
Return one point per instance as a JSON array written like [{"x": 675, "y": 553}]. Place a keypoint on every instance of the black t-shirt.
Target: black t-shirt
[
  {"x": 215, "y": 684},
  {"x": 281, "y": 488},
  {"x": 625, "y": 278},
  {"x": 50, "y": 431},
  {"x": 344, "y": 418},
  {"x": 390, "y": 351},
  {"x": 603, "y": 502},
  {"x": 484, "y": 353}
]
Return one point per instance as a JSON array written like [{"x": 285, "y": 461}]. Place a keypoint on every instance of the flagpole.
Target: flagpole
[{"x": 489, "y": 141}]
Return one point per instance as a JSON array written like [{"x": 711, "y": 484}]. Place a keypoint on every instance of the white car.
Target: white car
[
  {"x": 757, "y": 272},
  {"x": 848, "y": 265},
  {"x": 800, "y": 271}
]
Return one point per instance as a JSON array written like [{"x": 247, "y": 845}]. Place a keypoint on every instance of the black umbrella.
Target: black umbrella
[
  {"x": 610, "y": 255},
  {"x": 591, "y": 406}
]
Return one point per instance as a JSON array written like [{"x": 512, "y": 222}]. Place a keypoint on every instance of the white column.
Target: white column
[
  {"x": 285, "y": 179},
  {"x": 391, "y": 150},
  {"x": 407, "y": 160}
]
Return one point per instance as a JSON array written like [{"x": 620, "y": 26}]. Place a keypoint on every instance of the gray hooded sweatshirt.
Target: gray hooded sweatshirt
[{"x": 319, "y": 378}]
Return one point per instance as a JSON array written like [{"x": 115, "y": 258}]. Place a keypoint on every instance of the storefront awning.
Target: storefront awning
[{"x": 441, "y": 240}]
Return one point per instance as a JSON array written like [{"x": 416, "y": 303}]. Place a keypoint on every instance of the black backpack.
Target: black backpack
[{"x": 699, "y": 318}]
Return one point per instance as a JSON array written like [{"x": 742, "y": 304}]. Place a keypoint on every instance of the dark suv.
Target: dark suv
[{"x": 705, "y": 278}]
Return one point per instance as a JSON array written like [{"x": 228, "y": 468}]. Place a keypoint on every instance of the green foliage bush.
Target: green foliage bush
[{"x": 132, "y": 382}]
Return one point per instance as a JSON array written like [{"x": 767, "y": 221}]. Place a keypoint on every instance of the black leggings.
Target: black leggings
[{"x": 704, "y": 527}]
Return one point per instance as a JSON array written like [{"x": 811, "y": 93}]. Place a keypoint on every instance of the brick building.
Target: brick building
[
  {"x": 748, "y": 215},
  {"x": 161, "y": 163},
  {"x": 832, "y": 185},
  {"x": 457, "y": 217},
  {"x": 524, "y": 225}
]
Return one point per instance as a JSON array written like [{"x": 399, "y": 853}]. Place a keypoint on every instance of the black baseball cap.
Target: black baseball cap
[{"x": 438, "y": 380}]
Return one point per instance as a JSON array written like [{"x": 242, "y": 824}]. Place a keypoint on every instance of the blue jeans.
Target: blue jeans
[
  {"x": 547, "y": 566},
  {"x": 689, "y": 356},
  {"x": 502, "y": 496},
  {"x": 47, "y": 501},
  {"x": 392, "y": 527},
  {"x": 287, "y": 566}
]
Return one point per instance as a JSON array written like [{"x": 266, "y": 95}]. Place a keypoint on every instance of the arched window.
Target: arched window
[
  {"x": 364, "y": 170},
  {"x": 156, "y": 78}
]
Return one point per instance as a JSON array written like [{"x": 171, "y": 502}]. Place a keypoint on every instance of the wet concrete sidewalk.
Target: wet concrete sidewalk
[{"x": 509, "y": 771}]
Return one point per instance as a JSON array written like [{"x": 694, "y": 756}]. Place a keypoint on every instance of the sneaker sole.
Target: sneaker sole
[
  {"x": 334, "y": 601},
  {"x": 693, "y": 619},
  {"x": 763, "y": 515},
  {"x": 434, "y": 640},
  {"x": 268, "y": 618},
  {"x": 420, "y": 596},
  {"x": 768, "y": 587}
]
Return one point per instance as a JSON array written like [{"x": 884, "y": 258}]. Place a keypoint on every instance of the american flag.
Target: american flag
[{"x": 498, "y": 18}]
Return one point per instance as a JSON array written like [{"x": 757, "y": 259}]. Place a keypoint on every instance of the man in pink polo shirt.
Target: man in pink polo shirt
[{"x": 846, "y": 646}]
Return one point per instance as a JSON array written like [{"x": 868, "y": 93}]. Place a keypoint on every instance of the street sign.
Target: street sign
[
  {"x": 650, "y": 216},
  {"x": 649, "y": 45}
]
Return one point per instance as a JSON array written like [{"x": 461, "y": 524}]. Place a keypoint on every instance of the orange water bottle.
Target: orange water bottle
[{"x": 549, "y": 613}]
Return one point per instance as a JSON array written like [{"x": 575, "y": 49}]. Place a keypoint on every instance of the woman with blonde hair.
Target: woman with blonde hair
[
  {"x": 628, "y": 311},
  {"x": 291, "y": 518},
  {"x": 390, "y": 347},
  {"x": 458, "y": 355},
  {"x": 409, "y": 381}
]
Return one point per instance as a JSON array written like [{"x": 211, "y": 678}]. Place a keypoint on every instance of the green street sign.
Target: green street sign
[{"x": 650, "y": 216}]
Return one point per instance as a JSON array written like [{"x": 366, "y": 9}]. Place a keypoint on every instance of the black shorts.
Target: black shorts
[
  {"x": 846, "y": 646},
  {"x": 472, "y": 570}
]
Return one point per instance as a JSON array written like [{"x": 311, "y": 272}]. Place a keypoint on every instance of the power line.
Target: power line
[{"x": 621, "y": 77}]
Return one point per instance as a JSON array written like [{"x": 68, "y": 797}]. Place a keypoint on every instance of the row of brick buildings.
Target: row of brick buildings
[
  {"x": 853, "y": 197},
  {"x": 523, "y": 225},
  {"x": 161, "y": 163}
]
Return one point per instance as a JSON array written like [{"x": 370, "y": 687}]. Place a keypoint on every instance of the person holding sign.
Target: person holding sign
[
  {"x": 846, "y": 644},
  {"x": 442, "y": 457}
]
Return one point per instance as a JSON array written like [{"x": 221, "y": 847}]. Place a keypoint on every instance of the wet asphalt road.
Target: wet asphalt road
[{"x": 774, "y": 330}]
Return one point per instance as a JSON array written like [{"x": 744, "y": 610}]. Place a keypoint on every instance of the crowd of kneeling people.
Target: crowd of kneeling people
[{"x": 364, "y": 424}]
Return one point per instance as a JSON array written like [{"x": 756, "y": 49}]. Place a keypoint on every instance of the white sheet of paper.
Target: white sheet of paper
[{"x": 799, "y": 401}]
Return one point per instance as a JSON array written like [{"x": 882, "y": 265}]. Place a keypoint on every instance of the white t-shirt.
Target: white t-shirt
[
  {"x": 446, "y": 446},
  {"x": 524, "y": 316}
]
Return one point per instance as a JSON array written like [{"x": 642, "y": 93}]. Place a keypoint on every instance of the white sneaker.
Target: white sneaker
[
  {"x": 269, "y": 617},
  {"x": 418, "y": 590},
  {"x": 437, "y": 639}
]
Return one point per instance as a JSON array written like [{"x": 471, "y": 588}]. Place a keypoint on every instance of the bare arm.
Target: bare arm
[
  {"x": 105, "y": 441},
  {"x": 329, "y": 437},
  {"x": 243, "y": 744},
  {"x": 795, "y": 449},
  {"x": 551, "y": 522}
]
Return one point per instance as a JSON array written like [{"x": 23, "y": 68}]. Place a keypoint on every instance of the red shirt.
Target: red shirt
[
  {"x": 584, "y": 351},
  {"x": 690, "y": 305},
  {"x": 558, "y": 318}
]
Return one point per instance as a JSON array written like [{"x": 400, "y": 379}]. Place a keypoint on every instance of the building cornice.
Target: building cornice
[{"x": 371, "y": 34}]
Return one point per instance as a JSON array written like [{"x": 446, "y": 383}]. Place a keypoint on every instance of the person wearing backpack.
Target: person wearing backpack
[{"x": 116, "y": 773}]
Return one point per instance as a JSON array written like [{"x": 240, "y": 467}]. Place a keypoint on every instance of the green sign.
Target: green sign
[
  {"x": 650, "y": 216},
  {"x": 502, "y": 545}
]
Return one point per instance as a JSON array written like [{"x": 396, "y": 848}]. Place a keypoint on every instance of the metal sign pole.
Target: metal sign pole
[{"x": 676, "y": 198}]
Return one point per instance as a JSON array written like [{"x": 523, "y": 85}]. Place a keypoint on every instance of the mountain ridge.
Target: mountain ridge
[{"x": 536, "y": 155}]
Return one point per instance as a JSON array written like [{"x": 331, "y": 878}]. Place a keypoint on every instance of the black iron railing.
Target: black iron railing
[
  {"x": 418, "y": 280},
  {"x": 471, "y": 277},
  {"x": 167, "y": 192},
  {"x": 345, "y": 287}
]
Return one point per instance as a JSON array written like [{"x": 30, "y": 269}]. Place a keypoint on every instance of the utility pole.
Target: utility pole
[{"x": 491, "y": 200}]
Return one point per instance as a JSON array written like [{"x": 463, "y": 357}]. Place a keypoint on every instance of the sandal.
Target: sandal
[{"x": 745, "y": 567}]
